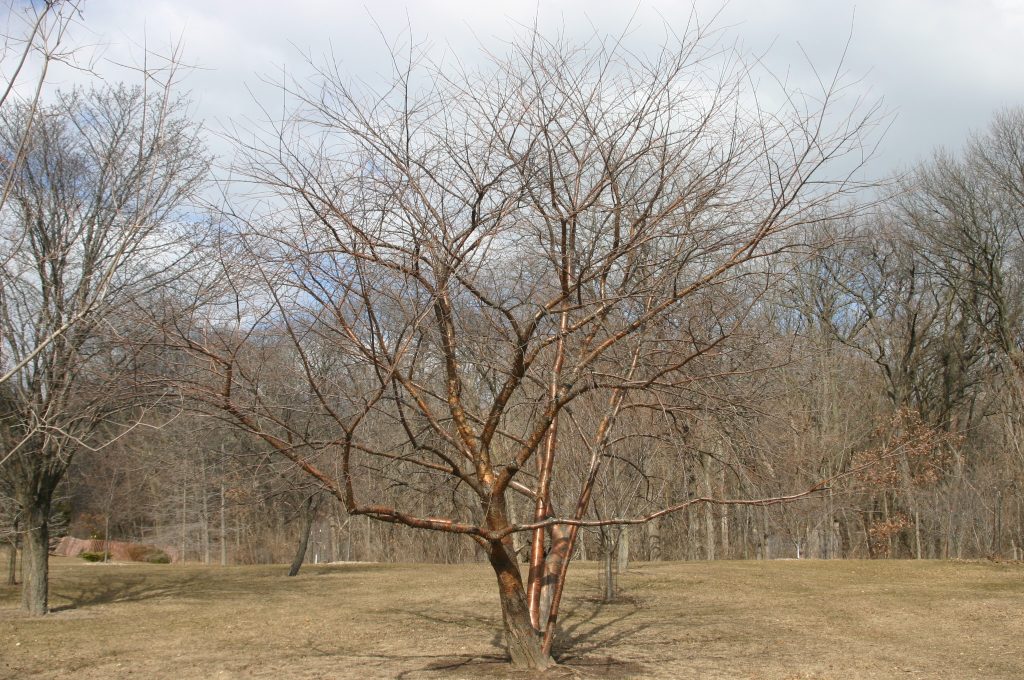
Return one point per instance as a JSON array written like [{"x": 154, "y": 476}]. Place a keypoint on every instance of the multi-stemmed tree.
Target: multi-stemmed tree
[{"x": 478, "y": 272}]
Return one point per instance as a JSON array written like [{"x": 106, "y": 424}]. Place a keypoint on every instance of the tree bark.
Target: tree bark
[
  {"x": 35, "y": 557},
  {"x": 609, "y": 574},
  {"x": 709, "y": 515},
  {"x": 557, "y": 555},
  {"x": 917, "y": 534},
  {"x": 724, "y": 515},
  {"x": 845, "y": 539},
  {"x": 204, "y": 496},
  {"x": 654, "y": 537},
  {"x": 223, "y": 529},
  {"x": 522, "y": 640},
  {"x": 12, "y": 563},
  {"x": 623, "y": 549},
  {"x": 765, "y": 537},
  {"x": 308, "y": 517}
]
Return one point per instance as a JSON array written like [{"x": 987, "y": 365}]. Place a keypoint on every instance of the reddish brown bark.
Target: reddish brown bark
[{"x": 524, "y": 644}]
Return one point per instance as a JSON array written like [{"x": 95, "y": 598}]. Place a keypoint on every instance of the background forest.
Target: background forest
[{"x": 901, "y": 334}]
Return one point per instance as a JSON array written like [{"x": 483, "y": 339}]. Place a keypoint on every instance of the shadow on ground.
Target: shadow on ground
[
  {"x": 119, "y": 588},
  {"x": 108, "y": 583},
  {"x": 595, "y": 626}
]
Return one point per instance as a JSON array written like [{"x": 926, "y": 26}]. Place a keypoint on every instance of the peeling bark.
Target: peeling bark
[{"x": 522, "y": 640}]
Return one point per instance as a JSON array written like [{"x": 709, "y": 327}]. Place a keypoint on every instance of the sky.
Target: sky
[{"x": 942, "y": 68}]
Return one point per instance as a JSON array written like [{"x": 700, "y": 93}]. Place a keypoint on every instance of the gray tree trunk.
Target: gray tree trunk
[
  {"x": 609, "y": 574},
  {"x": 206, "y": 515},
  {"x": 35, "y": 559},
  {"x": 308, "y": 518},
  {"x": 917, "y": 534},
  {"x": 766, "y": 552},
  {"x": 709, "y": 532},
  {"x": 223, "y": 529},
  {"x": 709, "y": 515},
  {"x": 12, "y": 563},
  {"x": 724, "y": 518},
  {"x": 654, "y": 538},
  {"x": 521, "y": 551},
  {"x": 623, "y": 551}
]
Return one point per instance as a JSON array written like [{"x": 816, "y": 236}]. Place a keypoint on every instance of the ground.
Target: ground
[{"x": 763, "y": 620}]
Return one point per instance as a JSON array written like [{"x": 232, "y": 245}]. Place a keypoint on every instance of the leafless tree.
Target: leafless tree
[
  {"x": 87, "y": 227},
  {"x": 465, "y": 258},
  {"x": 927, "y": 289},
  {"x": 969, "y": 213},
  {"x": 35, "y": 39}
]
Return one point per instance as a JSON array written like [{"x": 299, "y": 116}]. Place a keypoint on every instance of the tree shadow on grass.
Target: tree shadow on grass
[
  {"x": 114, "y": 587},
  {"x": 497, "y": 666},
  {"x": 594, "y": 629},
  {"x": 576, "y": 647},
  {"x": 135, "y": 583}
]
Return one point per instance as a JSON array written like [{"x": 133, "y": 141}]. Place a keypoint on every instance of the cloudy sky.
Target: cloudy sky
[{"x": 942, "y": 67}]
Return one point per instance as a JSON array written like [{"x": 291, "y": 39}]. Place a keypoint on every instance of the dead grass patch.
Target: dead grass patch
[{"x": 763, "y": 620}]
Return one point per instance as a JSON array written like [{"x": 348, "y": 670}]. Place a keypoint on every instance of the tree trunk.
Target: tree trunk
[
  {"x": 556, "y": 556},
  {"x": 654, "y": 538},
  {"x": 35, "y": 558},
  {"x": 744, "y": 531},
  {"x": 623, "y": 551},
  {"x": 520, "y": 552},
  {"x": 332, "y": 534},
  {"x": 917, "y": 533},
  {"x": 609, "y": 574},
  {"x": 522, "y": 640},
  {"x": 184, "y": 501},
  {"x": 709, "y": 532},
  {"x": 308, "y": 517},
  {"x": 724, "y": 519},
  {"x": 845, "y": 539},
  {"x": 223, "y": 530},
  {"x": 709, "y": 516},
  {"x": 206, "y": 518},
  {"x": 12, "y": 563}
]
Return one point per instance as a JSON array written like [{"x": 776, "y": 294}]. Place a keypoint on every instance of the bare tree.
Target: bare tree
[
  {"x": 34, "y": 40},
  {"x": 497, "y": 264},
  {"x": 85, "y": 229},
  {"x": 969, "y": 214},
  {"x": 928, "y": 291}
]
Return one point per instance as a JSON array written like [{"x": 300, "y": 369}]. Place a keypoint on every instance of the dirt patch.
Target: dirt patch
[{"x": 764, "y": 620}]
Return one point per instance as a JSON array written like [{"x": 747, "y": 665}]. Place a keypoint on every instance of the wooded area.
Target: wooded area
[{"x": 576, "y": 303}]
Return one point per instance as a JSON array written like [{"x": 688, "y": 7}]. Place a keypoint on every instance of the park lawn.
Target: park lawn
[{"x": 780, "y": 619}]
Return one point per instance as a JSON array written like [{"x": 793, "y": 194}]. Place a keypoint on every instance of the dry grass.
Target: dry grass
[{"x": 790, "y": 619}]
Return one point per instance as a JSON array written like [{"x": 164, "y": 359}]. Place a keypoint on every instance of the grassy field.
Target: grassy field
[{"x": 785, "y": 619}]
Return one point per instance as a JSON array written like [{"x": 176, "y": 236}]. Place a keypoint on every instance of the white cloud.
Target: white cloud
[{"x": 943, "y": 65}]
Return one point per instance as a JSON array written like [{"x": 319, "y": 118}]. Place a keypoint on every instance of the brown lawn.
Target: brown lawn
[{"x": 785, "y": 619}]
